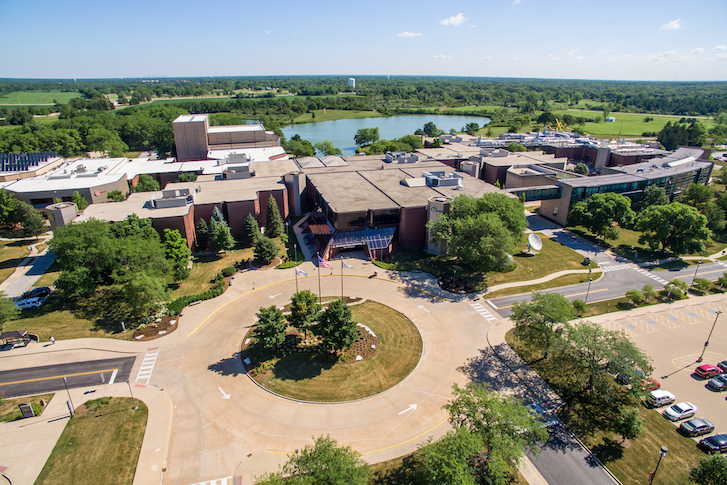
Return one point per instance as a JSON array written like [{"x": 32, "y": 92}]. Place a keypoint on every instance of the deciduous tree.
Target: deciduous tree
[
  {"x": 304, "y": 310},
  {"x": 503, "y": 425},
  {"x": 326, "y": 147},
  {"x": 676, "y": 227},
  {"x": 629, "y": 424},
  {"x": 450, "y": 459},
  {"x": 712, "y": 470},
  {"x": 270, "y": 329},
  {"x": 542, "y": 313},
  {"x": 177, "y": 252},
  {"x": 8, "y": 310},
  {"x": 146, "y": 184},
  {"x": 599, "y": 212},
  {"x": 79, "y": 200},
  {"x": 336, "y": 326}
]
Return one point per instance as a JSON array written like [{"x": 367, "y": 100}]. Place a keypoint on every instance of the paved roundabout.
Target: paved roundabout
[{"x": 224, "y": 424}]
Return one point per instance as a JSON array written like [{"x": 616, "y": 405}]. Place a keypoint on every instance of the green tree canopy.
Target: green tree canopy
[
  {"x": 304, "y": 310},
  {"x": 323, "y": 463},
  {"x": 503, "y": 425},
  {"x": 146, "y": 184},
  {"x": 366, "y": 136},
  {"x": 336, "y": 326},
  {"x": 676, "y": 227},
  {"x": 79, "y": 200},
  {"x": 471, "y": 128},
  {"x": 599, "y": 212},
  {"x": 270, "y": 329},
  {"x": 8, "y": 204},
  {"x": 450, "y": 459},
  {"x": 326, "y": 147},
  {"x": 273, "y": 220},
  {"x": 483, "y": 232},
  {"x": 177, "y": 252},
  {"x": 202, "y": 232},
  {"x": 251, "y": 230},
  {"x": 116, "y": 196},
  {"x": 653, "y": 195},
  {"x": 265, "y": 249},
  {"x": 542, "y": 313},
  {"x": 697, "y": 196},
  {"x": 515, "y": 147},
  {"x": 581, "y": 168},
  {"x": 712, "y": 470}
]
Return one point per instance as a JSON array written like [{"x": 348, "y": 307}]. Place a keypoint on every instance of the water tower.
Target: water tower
[{"x": 352, "y": 83}]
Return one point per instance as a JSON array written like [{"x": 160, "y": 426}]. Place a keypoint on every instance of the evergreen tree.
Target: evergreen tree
[
  {"x": 202, "y": 234},
  {"x": 251, "y": 231},
  {"x": 218, "y": 216},
  {"x": 271, "y": 325},
  {"x": 274, "y": 223},
  {"x": 265, "y": 249}
]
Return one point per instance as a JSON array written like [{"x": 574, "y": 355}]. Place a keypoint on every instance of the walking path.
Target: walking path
[{"x": 29, "y": 270}]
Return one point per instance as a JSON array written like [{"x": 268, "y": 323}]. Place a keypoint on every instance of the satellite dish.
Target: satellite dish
[{"x": 534, "y": 242}]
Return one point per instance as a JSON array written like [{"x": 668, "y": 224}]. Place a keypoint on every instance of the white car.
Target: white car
[
  {"x": 30, "y": 303},
  {"x": 682, "y": 410}
]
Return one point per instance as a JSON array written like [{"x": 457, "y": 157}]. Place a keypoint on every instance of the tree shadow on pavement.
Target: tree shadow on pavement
[{"x": 229, "y": 366}]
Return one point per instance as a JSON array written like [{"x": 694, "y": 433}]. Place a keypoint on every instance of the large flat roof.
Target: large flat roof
[
  {"x": 139, "y": 203},
  {"x": 235, "y": 128},
  {"x": 350, "y": 192},
  {"x": 217, "y": 191},
  {"x": 72, "y": 182},
  {"x": 190, "y": 118}
]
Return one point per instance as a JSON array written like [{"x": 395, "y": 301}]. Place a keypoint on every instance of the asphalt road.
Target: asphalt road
[
  {"x": 616, "y": 282},
  {"x": 49, "y": 378}
]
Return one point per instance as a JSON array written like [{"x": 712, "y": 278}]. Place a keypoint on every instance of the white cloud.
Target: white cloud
[
  {"x": 515, "y": 59},
  {"x": 488, "y": 58},
  {"x": 574, "y": 51},
  {"x": 698, "y": 49},
  {"x": 454, "y": 21},
  {"x": 720, "y": 48},
  {"x": 605, "y": 51},
  {"x": 673, "y": 25},
  {"x": 409, "y": 34},
  {"x": 515, "y": 2},
  {"x": 442, "y": 56},
  {"x": 578, "y": 58},
  {"x": 552, "y": 57},
  {"x": 660, "y": 57},
  {"x": 267, "y": 31},
  {"x": 612, "y": 59}
]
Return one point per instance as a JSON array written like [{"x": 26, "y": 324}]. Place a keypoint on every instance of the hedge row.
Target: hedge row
[{"x": 176, "y": 307}]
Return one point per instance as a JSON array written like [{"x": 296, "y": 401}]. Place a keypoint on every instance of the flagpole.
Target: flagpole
[
  {"x": 295, "y": 268},
  {"x": 318, "y": 261}
]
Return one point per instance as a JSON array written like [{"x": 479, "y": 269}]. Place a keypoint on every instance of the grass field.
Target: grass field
[
  {"x": 12, "y": 253},
  {"x": 9, "y": 407},
  {"x": 30, "y": 98},
  {"x": 571, "y": 279},
  {"x": 400, "y": 347},
  {"x": 626, "y": 124},
  {"x": 100, "y": 444},
  {"x": 335, "y": 114}
]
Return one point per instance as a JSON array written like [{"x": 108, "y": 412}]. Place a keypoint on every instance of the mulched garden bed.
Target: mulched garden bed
[
  {"x": 459, "y": 286},
  {"x": 155, "y": 330}
]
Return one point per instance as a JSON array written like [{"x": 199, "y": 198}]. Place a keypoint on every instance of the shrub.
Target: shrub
[
  {"x": 287, "y": 264},
  {"x": 229, "y": 271}
]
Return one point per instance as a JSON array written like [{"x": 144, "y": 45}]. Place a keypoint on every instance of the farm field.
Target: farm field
[
  {"x": 35, "y": 98},
  {"x": 335, "y": 114}
]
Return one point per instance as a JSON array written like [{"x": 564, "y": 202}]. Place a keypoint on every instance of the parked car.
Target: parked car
[
  {"x": 659, "y": 398},
  {"x": 30, "y": 304},
  {"x": 707, "y": 370},
  {"x": 718, "y": 383},
  {"x": 714, "y": 444},
  {"x": 723, "y": 365},
  {"x": 537, "y": 411},
  {"x": 696, "y": 427},
  {"x": 649, "y": 384},
  {"x": 39, "y": 292},
  {"x": 680, "y": 411}
]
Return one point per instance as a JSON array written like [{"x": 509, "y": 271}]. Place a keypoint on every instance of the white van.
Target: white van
[{"x": 659, "y": 398}]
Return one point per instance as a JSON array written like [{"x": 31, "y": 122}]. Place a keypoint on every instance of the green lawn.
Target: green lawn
[
  {"x": 335, "y": 114},
  {"x": 9, "y": 410},
  {"x": 626, "y": 124},
  {"x": 100, "y": 444},
  {"x": 12, "y": 253},
  {"x": 571, "y": 279},
  {"x": 400, "y": 347},
  {"x": 37, "y": 98}
]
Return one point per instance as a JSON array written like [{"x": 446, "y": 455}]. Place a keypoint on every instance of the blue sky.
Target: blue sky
[{"x": 568, "y": 39}]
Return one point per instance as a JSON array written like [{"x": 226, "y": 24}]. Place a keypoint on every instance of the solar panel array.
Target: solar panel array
[{"x": 22, "y": 162}]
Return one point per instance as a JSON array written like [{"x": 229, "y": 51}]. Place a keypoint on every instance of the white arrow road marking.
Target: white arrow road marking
[
  {"x": 224, "y": 394},
  {"x": 277, "y": 294},
  {"x": 420, "y": 306},
  {"x": 412, "y": 407}
]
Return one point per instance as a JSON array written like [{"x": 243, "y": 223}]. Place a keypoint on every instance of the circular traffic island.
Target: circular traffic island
[{"x": 388, "y": 349}]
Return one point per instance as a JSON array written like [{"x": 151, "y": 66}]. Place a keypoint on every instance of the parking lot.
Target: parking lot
[{"x": 673, "y": 335}]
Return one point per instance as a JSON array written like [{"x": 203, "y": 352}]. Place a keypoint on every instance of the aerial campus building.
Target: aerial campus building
[{"x": 377, "y": 203}]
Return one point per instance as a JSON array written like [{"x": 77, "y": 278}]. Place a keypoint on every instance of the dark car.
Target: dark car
[
  {"x": 723, "y": 365},
  {"x": 718, "y": 383},
  {"x": 39, "y": 292},
  {"x": 714, "y": 444},
  {"x": 696, "y": 427}
]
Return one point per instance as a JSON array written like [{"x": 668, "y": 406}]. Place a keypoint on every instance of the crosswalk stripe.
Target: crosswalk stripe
[
  {"x": 484, "y": 312},
  {"x": 652, "y": 276},
  {"x": 615, "y": 267},
  {"x": 147, "y": 366}
]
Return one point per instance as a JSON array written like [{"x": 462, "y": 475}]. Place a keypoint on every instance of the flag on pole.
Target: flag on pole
[
  {"x": 300, "y": 272},
  {"x": 344, "y": 265},
  {"x": 322, "y": 263}
]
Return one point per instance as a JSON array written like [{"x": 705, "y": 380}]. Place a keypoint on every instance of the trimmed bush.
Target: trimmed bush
[{"x": 229, "y": 271}]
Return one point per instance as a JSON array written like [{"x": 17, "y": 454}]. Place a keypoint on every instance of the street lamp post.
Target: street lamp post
[
  {"x": 590, "y": 280},
  {"x": 695, "y": 274},
  {"x": 132, "y": 395},
  {"x": 709, "y": 336},
  {"x": 295, "y": 251},
  {"x": 73, "y": 408},
  {"x": 663, "y": 452}
]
